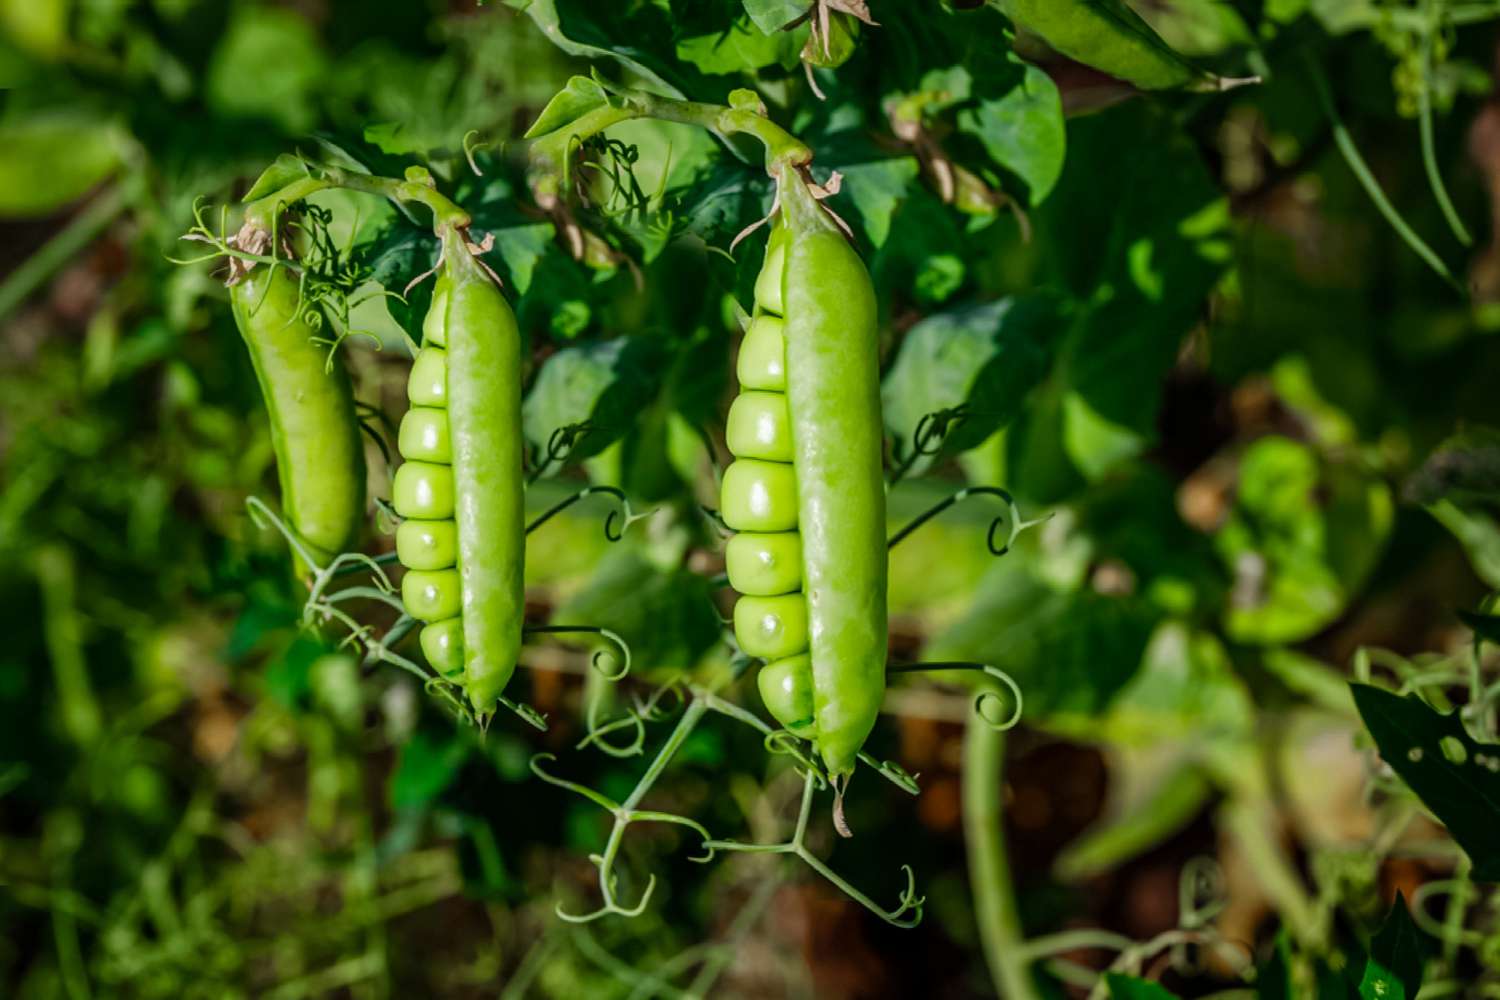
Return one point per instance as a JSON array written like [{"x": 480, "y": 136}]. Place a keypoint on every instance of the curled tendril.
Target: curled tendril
[
  {"x": 610, "y": 908},
  {"x": 642, "y": 711},
  {"x": 598, "y": 658},
  {"x": 612, "y": 530},
  {"x": 1454, "y": 892},
  {"x": 780, "y": 741},
  {"x": 597, "y": 732},
  {"x": 982, "y": 699},
  {"x": 1201, "y": 892},
  {"x": 616, "y": 161},
  {"x": 933, "y": 429},
  {"x": 910, "y": 901},
  {"x": 1012, "y": 517},
  {"x": 894, "y": 773},
  {"x": 624, "y": 815},
  {"x": 472, "y": 146},
  {"x": 530, "y": 716},
  {"x": 928, "y": 437},
  {"x": 446, "y": 691},
  {"x": 598, "y": 798},
  {"x": 560, "y": 445}
]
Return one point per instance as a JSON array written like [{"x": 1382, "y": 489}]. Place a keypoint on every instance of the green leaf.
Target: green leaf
[
  {"x": 578, "y": 97},
  {"x": 666, "y": 615},
  {"x": 52, "y": 160},
  {"x": 1273, "y": 976},
  {"x": 520, "y": 240},
  {"x": 637, "y": 36},
  {"x": 1463, "y": 469},
  {"x": 1016, "y": 114},
  {"x": 1142, "y": 244},
  {"x": 1131, "y": 988},
  {"x": 1185, "y": 689},
  {"x": 1454, "y": 775},
  {"x": 399, "y": 253},
  {"x": 1486, "y": 627},
  {"x": 1153, "y": 795},
  {"x": 1132, "y": 517},
  {"x": 1070, "y": 650},
  {"x": 288, "y": 677},
  {"x": 395, "y": 139},
  {"x": 284, "y": 170},
  {"x": 773, "y": 15},
  {"x": 926, "y": 256},
  {"x": 740, "y": 48},
  {"x": 38, "y": 27},
  {"x": 269, "y": 64},
  {"x": 985, "y": 358},
  {"x": 1108, "y": 36},
  {"x": 1393, "y": 970},
  {"x": 1479, "y": 534},
  {"x": 720, "y": 202},
  {"x": 1287, "y": 975},
  {"x": 604, "y": 384},
  {"x": 1300, "y": 541},
  {"x": 334, "y": 683},
  {"x": 874, "y": 181},
  {"x": 428, "y": 765}
]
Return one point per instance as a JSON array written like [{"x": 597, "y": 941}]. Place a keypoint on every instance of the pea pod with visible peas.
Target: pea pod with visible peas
[
  {"x": 460, "y": 489},
  {"x": 806, "y": 492}
]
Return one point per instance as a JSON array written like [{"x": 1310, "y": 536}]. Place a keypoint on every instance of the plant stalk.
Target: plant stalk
[{"x": 1000, "y": 934}]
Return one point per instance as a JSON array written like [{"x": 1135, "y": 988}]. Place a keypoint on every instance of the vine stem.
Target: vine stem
[
  {"x": 1250, "y": 821},
  {"x": 1424, "y": 124},
  {"x": 990, "y": 880},
  {"x": 1361, "y": 170},
  {"x": 445, "y": 213},
  {"x": 550, "y": 153}
]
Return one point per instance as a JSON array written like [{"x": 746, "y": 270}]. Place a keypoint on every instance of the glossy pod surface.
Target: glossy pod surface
[
  {"x": 463, "y": 540},
  {"x": 809, "y": 371},
  {"x": 319, "y": 455}
]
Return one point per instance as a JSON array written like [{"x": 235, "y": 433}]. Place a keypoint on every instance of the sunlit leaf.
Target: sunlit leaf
[
  {"x": 1397, "y": 953},
  {"x": 1454, "y": 775}
]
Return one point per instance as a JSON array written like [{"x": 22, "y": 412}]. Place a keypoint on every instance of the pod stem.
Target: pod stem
[
  {"x": 417, "y": 188},
  {"x": 782, "y": 148},
  {"x": 551, "y": 153}
]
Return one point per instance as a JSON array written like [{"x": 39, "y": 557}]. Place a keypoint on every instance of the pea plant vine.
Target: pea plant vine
[{"x": 587, "y": 183}]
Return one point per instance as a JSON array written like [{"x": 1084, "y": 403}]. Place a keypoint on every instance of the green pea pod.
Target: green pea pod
[
  {"x": 813, "y": 346},
  {"x": 1110, "y": 37},
  {"x": 319, "y": 454},
  {"x": 461, "y": 486}
]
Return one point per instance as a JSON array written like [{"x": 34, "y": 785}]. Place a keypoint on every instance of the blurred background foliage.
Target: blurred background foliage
[{"x": 1175, "y": 324}]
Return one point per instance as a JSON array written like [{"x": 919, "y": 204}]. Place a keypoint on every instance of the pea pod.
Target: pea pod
[
  {"x": 314, "y": 431},
  {"x": 1109, "y": 36},
  {"x": 806, "y": 491},
  {"x": 460, "y": 488}
]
